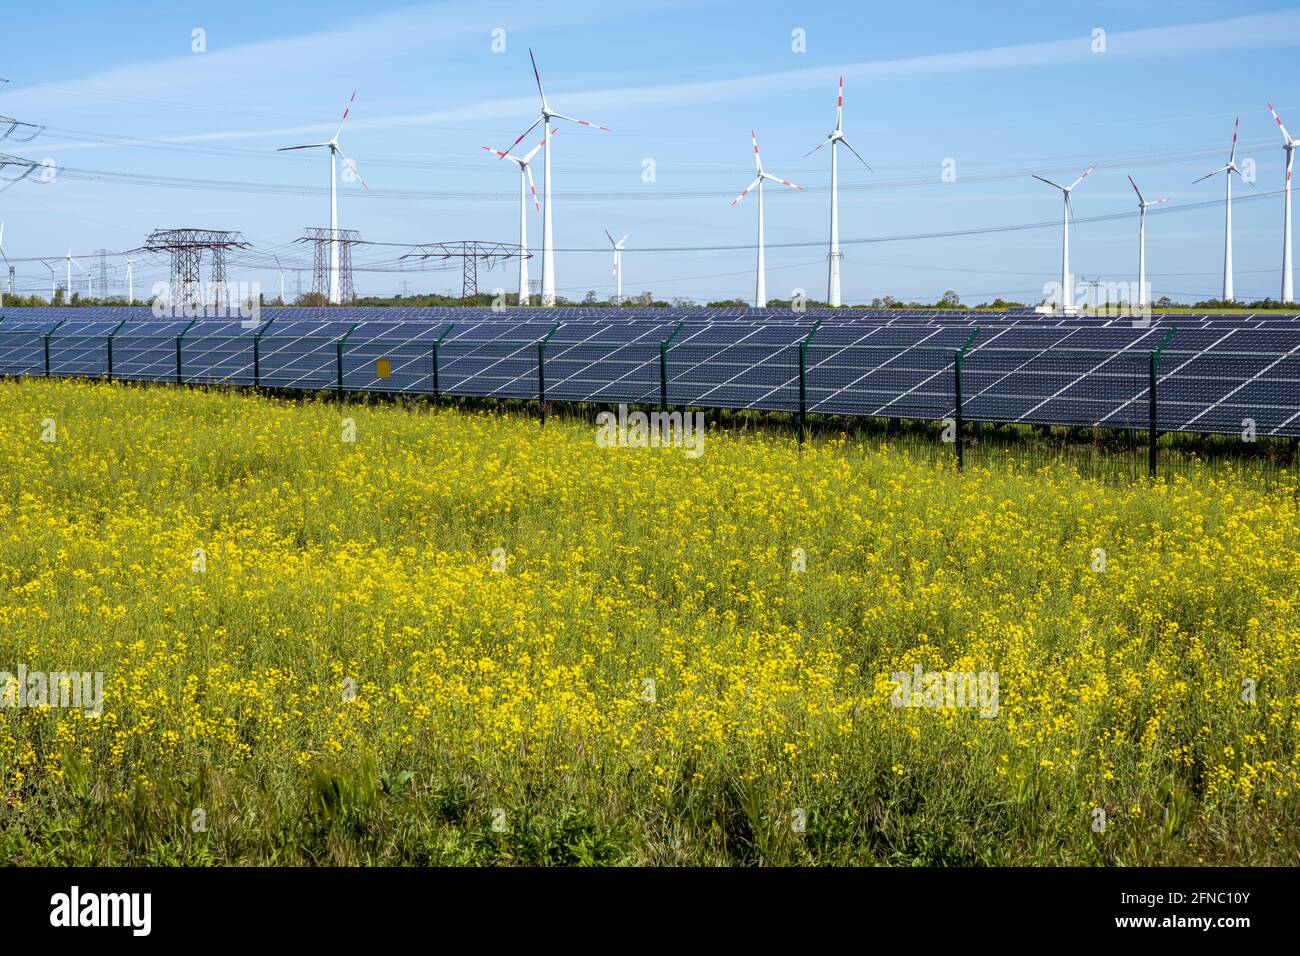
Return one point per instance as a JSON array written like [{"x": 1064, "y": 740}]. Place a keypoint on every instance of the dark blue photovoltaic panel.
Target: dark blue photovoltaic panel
[
  {"x": 22, "y": 353},
  {"x": 1217, "y": 373}
]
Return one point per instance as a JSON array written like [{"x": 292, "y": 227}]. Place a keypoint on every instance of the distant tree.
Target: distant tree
[
  {"x": 589, "y": 298},
  {"x": 645, "y": 298},
  {"x": 950, "y": 300},
  {"x": 1164, "y": 302}
]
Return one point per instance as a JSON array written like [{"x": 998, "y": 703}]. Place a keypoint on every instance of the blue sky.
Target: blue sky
[{"x": 1003, "y": 91}]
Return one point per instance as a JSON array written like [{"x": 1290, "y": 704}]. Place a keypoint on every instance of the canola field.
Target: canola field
[{"x": 377, "y": 634}]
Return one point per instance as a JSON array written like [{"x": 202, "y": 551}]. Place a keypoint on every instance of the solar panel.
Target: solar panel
[{"x": 1218, "y": 374}]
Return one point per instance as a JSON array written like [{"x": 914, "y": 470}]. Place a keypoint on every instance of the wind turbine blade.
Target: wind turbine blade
[
  {"x": 1141, "y": 201},
  {"x": 528, "y": 156},
  {"x": 537, "y": 76},
  {"x": 347, "y": 109},
  {"x": 1157, "y": 202},
  {"x": 1286, "y": 137},
  {"x": 285, "y": 149},
  {"x": 758, "y": 163},
  {"x": 581, "y": 122},
  {"x": 353, "y": 168},
  {"x": 623, "y": 240},
  {"x": 839, "y": 106},
  {"x": 747, "y": 189},
  {"x": 1084, "y": 176},
  {"x": 528, "y": 170},
  {"x": 855, "y": 153},
  {"x": 1242, "y": 177},
  {"x": 783, "y": 182},
  {"x": 1049, "y": 182},
  {"x": 817, "y": 147},
  {"x": 611, "y": 239},
  {"x": 499, "y": 154},
  {"x": 1208, "y": 175},
  {"x": 523, "y": 134}
]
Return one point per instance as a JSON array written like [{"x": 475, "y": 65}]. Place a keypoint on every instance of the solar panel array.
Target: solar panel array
[{"x": 1216, "y": 373}]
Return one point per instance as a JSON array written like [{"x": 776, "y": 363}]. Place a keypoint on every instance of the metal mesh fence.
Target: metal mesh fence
[
  {"x": 1229, "y": 393},
  {"x": 1062, "y": 386},
  {"x": 602, "y": 372},
  {"x": 887, "y": 381},
  {"x": 734, "y": 376},
  {"x": 79, "y": 355},
  {"x": 308, "y": 362},
  {"x": 388, "y": 367},
  {"x": 145, "y": 358},
  {"x": 22, "y": 353},
  {"x": 218, "y": 359},
  {"x": 493, "y": 369}
]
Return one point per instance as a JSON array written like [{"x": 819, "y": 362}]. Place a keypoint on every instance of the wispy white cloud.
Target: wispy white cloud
[{"x": 401, "y": 31}]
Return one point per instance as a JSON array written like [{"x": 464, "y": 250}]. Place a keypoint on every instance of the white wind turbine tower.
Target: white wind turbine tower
[
  {"x": 130, "y": 278},
  {"x": 548, "y": 258},
  {"x": 333, "y": 145},
  {"x": 525, "y": 185},
  {"x": 89, "y": 289},
  {"x": 760, "y": 292},
  {"x": 1142, "y": 240},
  {"x": 1289, "y": 145},
  {"x": 836, "y": 138},
  {"x": 618, "y": 267},
  {"x": 1227, "y": 169},
  {"x": 1067, "y": 281},
  {"x": 4, "y": 257}
]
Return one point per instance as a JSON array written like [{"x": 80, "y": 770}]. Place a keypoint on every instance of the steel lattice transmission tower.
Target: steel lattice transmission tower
[
  {"x": 326, "y": 240},
  {"x": 186, "y": 247},
  {"x": 471, "y": 252}
]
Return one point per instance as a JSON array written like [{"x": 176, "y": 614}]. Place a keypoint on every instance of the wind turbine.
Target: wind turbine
[
  {"x": 524, "y": 173},
  {"x": 89, "y": 289},
  {"x": 130, "y": 278},
  {"x": 618, "y": 267},
  {"x": 760, "y": 293},
  {"x": 4, "y": 257},
  {"x": 1067, "y": 282},
  {"x": 333, "y": 145},
  {"x": 1227, "y": 169},
  {"x": 548, "y": 258},
  {"x": 1289, "y": 145},
  {"x": 1142, "y": 240},
  {"x": 281, "y": 268},
  {"x": 835, "y": 139},
  {"x": 53, "y": 273}
]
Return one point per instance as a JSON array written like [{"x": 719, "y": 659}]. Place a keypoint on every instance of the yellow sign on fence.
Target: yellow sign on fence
[{"x": 383, "y": 368}]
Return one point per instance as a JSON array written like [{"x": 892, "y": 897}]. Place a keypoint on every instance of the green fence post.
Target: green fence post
[
  {"x": 663, "y": 368},
  {"x": 110, "y": 347},
  {"x": 437, "y": 388},
  {"x": 180, "y": 378},
  {"x": 341, "y": 342},
  {"x": 803, "y": 379},
  {"x": 541, "y": 371},
  {"x": 257, "y": 353},
  {"x": 1152, "y": 433},
  {"x": 957, "y": 405},
  {"x": 48, "y": 335}
]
